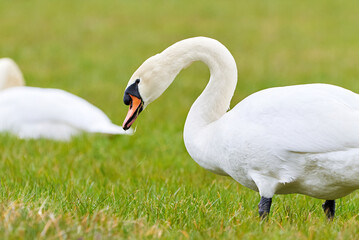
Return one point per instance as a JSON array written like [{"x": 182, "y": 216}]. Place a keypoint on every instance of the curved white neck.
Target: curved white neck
[{"x": 215, "y": 99}]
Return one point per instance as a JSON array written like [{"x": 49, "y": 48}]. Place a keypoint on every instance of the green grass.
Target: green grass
[{"x": 146, "y": 186}]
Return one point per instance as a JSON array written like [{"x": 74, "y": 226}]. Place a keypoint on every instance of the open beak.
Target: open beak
[{"x": 136, "y": 106}]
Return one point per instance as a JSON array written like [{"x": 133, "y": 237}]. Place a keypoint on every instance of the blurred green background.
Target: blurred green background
[{"x": 146, "y": 185}]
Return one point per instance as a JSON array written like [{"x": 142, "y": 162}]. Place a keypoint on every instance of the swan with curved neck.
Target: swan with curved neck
[
  {"x": 296, "y": 139},
  {"x": 10, "y": 74}
]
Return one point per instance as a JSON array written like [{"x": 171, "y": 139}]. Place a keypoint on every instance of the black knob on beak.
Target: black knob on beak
[
  {"x": 127, "y": 99},
  {"x": 131, "y": 90}
]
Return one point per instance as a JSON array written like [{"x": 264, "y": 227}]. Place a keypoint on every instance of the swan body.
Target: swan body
[
  {"x": 295, "y": 139},
  {"x": 31, "y": 112}
]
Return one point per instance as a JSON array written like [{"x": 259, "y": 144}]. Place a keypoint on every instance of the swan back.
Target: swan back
[{"x": 10, "y": 74}]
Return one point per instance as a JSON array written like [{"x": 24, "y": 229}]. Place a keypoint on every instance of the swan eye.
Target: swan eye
[{"x": 137, "y": 81}]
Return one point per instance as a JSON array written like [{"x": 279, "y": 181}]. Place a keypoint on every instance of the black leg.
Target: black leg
[
  {"x": 329, "y": 208},
  {"x": 264, "y": 207}
]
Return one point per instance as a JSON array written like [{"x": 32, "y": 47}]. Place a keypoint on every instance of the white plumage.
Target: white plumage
[
  {"x": 30, "y": 112},
  {"x": 296, "y": 139}
]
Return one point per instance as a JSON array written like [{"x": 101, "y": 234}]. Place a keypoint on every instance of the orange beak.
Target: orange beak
[{"x": 135, "y": 109}]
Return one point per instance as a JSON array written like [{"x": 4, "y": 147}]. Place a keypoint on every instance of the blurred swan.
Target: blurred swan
[
  {"x": 31, "y": 112},
  {"x": 295, "y": 139}
]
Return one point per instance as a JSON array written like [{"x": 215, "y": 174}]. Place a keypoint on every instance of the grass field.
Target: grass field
[{"x": 146, "y": 186}]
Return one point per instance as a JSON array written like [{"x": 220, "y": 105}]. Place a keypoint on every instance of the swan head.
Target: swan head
[
  {"x": 10, "y": 74},
  {"x": 148, "y": 82}
]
